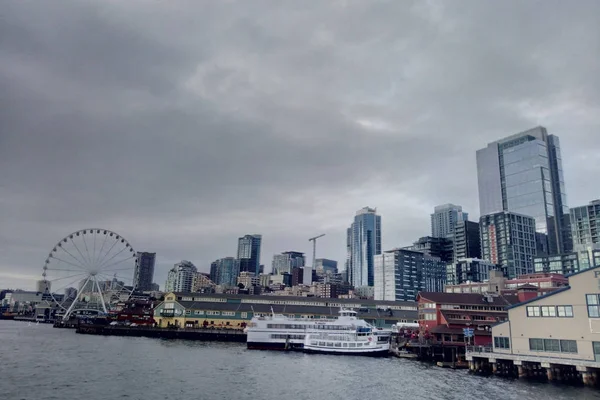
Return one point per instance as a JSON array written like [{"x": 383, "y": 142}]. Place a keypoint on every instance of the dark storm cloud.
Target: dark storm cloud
[{"x": 184, "y": 125}]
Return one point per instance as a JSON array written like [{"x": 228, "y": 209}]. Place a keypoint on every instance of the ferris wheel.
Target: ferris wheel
[{"x": 89, "y": 271}]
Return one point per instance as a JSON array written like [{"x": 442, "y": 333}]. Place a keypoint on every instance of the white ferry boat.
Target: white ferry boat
[
  {"x": 363, "y": 342},
  {"x": 279, "y": 332}
]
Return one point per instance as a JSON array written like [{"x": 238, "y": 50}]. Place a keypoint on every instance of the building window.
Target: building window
[
  {"x": 501, "y": 342},
  {"x": 244, "y": 315},
  {"x": 548, "y": 311},
  {"x": 536, "y": 344},
  {"x": 565, "y": 311},
  {"x": 568, "y": 346},
  {"x": 593, "y": 305},
  {"x": 228, "y": 313},
  {"x": 533, "y": 311},
  {"x": 553, "y": 345}
]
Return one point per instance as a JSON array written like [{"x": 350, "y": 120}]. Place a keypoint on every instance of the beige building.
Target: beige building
[{"x": 554, "y": 332}]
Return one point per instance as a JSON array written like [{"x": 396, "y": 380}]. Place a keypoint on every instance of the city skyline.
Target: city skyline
[{"x": 184, "y": 141}]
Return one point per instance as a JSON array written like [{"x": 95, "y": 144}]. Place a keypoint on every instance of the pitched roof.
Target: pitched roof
[
  {"x": 469, "y": 298},
  {"x": 562, "y": 289}
]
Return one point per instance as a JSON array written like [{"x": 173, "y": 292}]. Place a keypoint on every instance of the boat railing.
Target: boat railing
[{"x": 480, "y": 349}]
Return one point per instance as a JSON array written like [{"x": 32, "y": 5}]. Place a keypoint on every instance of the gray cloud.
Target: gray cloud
[{"x": 185, "y": 125}]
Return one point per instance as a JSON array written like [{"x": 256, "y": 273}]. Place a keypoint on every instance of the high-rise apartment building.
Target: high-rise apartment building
[
  {"x": 181, "y": 277},
  {"x": 585, "y": 225},
  {"x": 249, "y": 253},
  {"x": 508, "y": 239},
  {"x": 144, "y": 271},
  {"x": 286, "y": 261},
  {"x": 440, "y": 247},
  {"x": 469, "y": 270},
  {"x": 523, "y": 174},
  {"x": 466, "y": 242},
  {"x": 444, "y": 218},
  {"x": 363, "y": 243},
  {"x": 400, "y": 274}
]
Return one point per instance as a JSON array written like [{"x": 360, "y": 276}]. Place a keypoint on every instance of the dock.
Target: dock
[{"x": 203, "y": 334}]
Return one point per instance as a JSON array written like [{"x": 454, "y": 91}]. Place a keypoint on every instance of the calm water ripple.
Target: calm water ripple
[{"x": 42, "y": 363}]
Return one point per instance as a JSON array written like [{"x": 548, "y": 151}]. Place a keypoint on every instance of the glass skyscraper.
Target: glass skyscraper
[
  {"x": 523, "y": 174},
  {"x": 249, "y": 253},
  {"x": 363, "y": 243}
]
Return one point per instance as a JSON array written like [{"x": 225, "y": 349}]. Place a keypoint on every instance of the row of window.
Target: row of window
[
  {"x": 294, "y": 326},
  {"x": 501, "y": 342},
  {"x": 550, "y": 311},
  {"x": 223, "y": 313},
  {"x": 553, "y": 345},
  {"x": 278, "y": 336}
]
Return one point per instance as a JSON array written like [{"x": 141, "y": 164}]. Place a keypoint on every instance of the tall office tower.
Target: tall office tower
[
  {"x": 228, "y": 270},
  {"x": 181, "y": 277},
  {"x": 363, "y": 243},
  {"x": 325, "y": 266},
  {"x": 214, "y": 271},
  {"x": 467, "y": 241},
  {"x": 286, "y": 261},
  {"x": 144, "y": 271},
  {"x": 523, "y": 174},
  {"x": 585, "y": 224},
  {"x": 249, "y": 253},
  {"x": 444, "y": 218},
  {"x": 400, "y": 274},
  {"x": 509, "y": 239}
]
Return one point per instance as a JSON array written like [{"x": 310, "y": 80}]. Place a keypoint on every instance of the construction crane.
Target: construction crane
[{"x": 314, "y": 240}]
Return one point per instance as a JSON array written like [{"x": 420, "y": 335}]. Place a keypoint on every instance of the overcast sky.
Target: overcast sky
[{"x": 184, "y": 125}]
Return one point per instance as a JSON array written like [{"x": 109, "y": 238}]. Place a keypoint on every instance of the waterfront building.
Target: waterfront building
[
  {"x": 469, "y": 270},
  {"x": 362, "y": 244},
  {"x": 286, "y": 261},
  {"x": 228, "y": 269},
  {"x": 499, "y": 284},
  {"x": 444, "y": 219},
  {"x": 440, "y": 247},
  {"x": 523, "y": 173},
  {"x": 509, "y": 239},
  {"x": 144, "y": 271},
  {"x": 180, "y": 277},
  {"x": 445, "y": 315},
  {"x": 466, "y": 242},
  {"x": 400, "y": 274},
  {"x": 560, "y": 329},
  {"x": 284, "y": 279},
  {"x": 585, "y": 225},
  {"x": 248, "y": 255},
  {"x": 236, "y": 310},
  {"x": 325, "y": 266},
  {"x": 43, "y": 286}
]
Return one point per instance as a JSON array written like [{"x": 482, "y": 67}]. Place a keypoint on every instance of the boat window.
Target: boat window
[
  {"x": 352, "y": 344},
  {"x": 321, "y": 343},
  {"x": 330, "y": 344},
  {"x": 338, "y": 345},
  {"x": 345, "y": 344},
  {"x": 313, "y": 343}
]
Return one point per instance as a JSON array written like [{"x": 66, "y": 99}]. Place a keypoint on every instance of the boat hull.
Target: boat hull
[
  {"x": 368, "y": 353},
  {"x": 274, "y": 346}
]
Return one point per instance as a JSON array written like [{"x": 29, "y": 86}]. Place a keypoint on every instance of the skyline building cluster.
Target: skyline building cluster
[{"x": 525, "y": 226}]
